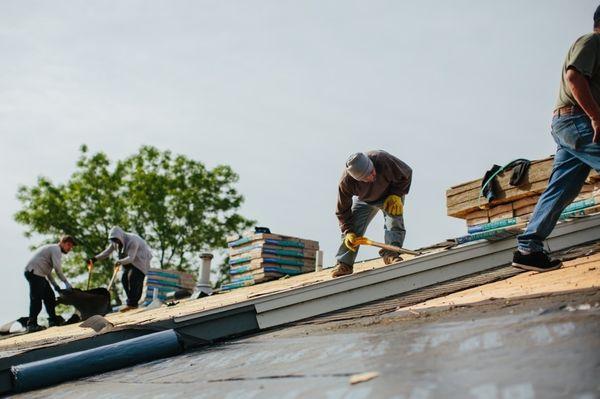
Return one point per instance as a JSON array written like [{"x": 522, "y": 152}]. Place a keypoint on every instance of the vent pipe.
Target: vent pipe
[
  {"x": 318, "y": 261},
  {"x": 203, "y": 286}
]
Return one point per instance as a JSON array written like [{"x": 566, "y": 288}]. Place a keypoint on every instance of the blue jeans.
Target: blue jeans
[
  {"x": 362, "y": 214},
  {"x": 575, "y": 156}
]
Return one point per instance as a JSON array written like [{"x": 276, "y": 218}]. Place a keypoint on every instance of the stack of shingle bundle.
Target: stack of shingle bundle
[
  {"x": 509, "y": 212},
  {"x": 259, "y": 257},
  {"x": 166, "y": 281}
]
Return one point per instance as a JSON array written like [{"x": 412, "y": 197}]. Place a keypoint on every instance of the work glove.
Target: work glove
[
  {"x": 349, "y": 239},
  {"x": 393, "y": 205}
]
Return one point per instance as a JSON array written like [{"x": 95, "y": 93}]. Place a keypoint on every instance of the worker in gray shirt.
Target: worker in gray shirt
[
  {"x": 134, "y": 255},
  {"x": 38, "y": 273},
  {"x": 371, "y": 182}
]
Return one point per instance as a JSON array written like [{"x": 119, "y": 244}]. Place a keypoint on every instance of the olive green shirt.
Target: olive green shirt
[{"x": 583, "y": 56}]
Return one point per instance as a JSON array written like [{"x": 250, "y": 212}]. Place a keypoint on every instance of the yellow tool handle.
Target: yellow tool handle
[
  {"x": 366, "y": 241},
  {"x": 90, "y": 266},
  {"x": 112, "y": 280}
]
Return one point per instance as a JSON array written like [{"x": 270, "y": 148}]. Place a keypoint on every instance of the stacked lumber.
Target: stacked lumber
[
  {"x": 256, "y": 258},
  {"x": 513, "y": 207},
  {"x": 166, "y": 281}
]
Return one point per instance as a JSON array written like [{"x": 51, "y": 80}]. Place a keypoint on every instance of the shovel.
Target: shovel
[
  {"x": 90, "y": 267},
  {"x": 366, "y": 241},
  {"x": 112, "y": 279}
]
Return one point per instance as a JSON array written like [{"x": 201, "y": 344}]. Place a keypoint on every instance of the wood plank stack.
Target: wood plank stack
[
  {"x": 256, "y": 258},
  {"x": 513, "y": 207},
  {"x": 166, "y": 281}
]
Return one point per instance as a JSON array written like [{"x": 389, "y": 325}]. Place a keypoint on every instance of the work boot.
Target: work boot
[
  {"x": 390, "y": 257},
  {"x": 341, "y": 269},
  {"x": 56, "y": 321},
  {"x": 34, "y": 327},
  {"x": 535, "y": 261}
]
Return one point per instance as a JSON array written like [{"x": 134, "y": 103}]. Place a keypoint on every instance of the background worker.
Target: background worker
[
  {"x": 38, "y": 273},
  {"x": 576, "y": 130},
  {"x": 379, "y": 181},
  {"x": 134, "y": 255}
]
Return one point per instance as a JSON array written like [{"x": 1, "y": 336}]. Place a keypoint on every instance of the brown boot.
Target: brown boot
[
  {"x": 390, "y": 257},
  {"x": 342, "y": 269}
]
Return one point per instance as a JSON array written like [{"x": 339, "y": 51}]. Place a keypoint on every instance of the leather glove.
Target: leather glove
[
  {"x": 349, "y": 239},
  {"x": 393, "y": 205}
]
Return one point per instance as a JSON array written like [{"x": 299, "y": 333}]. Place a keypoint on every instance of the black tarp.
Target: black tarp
[{"x": 87, "y": 302}]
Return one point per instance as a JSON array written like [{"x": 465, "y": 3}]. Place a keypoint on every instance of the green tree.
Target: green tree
[{"x": 176, "y": 204}]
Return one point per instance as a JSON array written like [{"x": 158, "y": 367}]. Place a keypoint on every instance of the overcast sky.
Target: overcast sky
[{"x": 283, "y": 91}]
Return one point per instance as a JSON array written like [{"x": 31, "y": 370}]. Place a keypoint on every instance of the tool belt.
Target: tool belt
[{"x": 568, "y": 110}]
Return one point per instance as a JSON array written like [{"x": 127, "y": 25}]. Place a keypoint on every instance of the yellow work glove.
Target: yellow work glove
[
  {"x": 393, "y": 205},
  {"x": 349, "y": 239}
]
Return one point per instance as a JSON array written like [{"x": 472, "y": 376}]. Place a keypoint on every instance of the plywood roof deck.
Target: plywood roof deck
[{"x": 577, "y": 274}]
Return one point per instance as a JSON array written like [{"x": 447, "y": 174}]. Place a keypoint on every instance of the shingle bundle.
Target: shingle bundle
[
  {"x": 256, "y": 258},
  {"x": 513, "y": 206},
  {"x": 166, "y": 281}
]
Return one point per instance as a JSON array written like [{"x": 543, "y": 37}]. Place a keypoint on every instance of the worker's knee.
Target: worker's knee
[{"x": 395, "y": 223}]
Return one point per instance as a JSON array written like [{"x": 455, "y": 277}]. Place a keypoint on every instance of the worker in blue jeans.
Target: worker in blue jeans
[
  {"x": 371, "y": 181},
  {"x": 576, "y": 130},
  {"x": 394, "y": 231}
]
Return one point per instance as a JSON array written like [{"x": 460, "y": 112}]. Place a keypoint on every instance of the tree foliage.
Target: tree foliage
[{"x": 176, "y": 204}]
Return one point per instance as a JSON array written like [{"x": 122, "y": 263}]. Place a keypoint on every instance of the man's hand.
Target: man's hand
[
  {"x": 596, "y": 127},
  {"x": 393, "y": 205},
  {"x": 91, "y": 260},
  {"x": 349, "y": 239},
  {"x": 68, "y": 286},
  {"x": 580, "y": 87}
]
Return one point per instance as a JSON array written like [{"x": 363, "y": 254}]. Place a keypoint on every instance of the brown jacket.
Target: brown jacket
[{"x": 393, "y": 177}]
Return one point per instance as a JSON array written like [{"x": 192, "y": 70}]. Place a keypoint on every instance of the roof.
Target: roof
[
  {"x": 256, "y": 308},
  {"x": 527, "y": 335}
]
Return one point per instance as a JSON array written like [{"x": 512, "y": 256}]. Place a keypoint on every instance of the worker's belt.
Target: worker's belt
[{"x": 569, "y": 110}]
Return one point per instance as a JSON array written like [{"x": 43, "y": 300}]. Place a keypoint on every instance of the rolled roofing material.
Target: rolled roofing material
[{"x": 93, "y": 361}]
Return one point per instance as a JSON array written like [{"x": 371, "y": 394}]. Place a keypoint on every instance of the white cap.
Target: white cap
[{"x": 359, "y": 166}]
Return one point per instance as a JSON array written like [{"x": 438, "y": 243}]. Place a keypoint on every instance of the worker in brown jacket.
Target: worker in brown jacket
[{"x": 371, "y": 181}]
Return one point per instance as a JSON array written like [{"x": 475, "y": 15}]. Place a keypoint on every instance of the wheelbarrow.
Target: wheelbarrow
[{"x": 89, "y": 302}]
